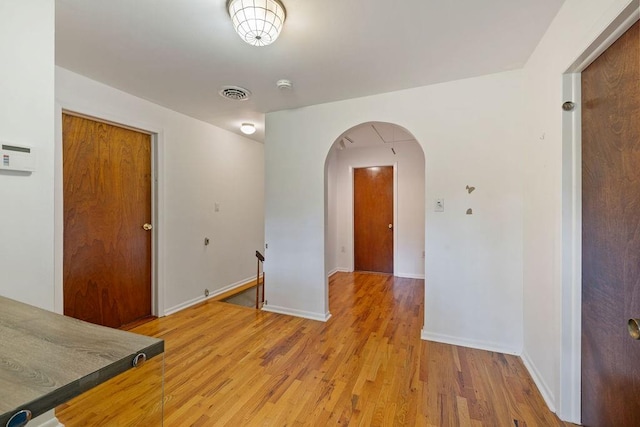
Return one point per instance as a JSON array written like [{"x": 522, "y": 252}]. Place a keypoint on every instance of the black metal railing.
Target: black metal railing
[{"x": 259, "y": 301}]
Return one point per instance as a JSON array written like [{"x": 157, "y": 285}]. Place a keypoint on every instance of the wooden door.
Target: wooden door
[
  {"x": 373, "y": 219},
  {"x": 611, "y": 235},
  {"x": 107, "y": 200}
]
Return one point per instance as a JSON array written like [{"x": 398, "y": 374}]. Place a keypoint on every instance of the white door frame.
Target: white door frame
[
  {"x": 569, "y": 404},
  {"x": 157, "y": 201}
]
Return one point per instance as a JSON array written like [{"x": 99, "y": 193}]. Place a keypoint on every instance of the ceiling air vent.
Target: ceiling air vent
[{"x": 235, "y": 93}]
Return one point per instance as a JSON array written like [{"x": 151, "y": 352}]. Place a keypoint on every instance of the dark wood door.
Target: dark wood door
[
  {"x": 373, "y": 218},
  {"x": 611, "y": 235},
  {"x": 107, "y": 201}
]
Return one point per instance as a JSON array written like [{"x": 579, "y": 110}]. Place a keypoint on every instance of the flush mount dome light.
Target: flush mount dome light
[
  {"x": 248, "y": 128},
  {"x": 257, "y": 22}
]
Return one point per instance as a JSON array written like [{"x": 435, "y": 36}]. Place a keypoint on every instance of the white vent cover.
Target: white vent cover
[{"x": 235, "y": 93}]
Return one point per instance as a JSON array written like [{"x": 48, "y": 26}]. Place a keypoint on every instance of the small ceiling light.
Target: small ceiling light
[
  {"x": 248, "y": 128},
  {"x": 257, "y": 22},
  {"x": 284, "y": 84}
]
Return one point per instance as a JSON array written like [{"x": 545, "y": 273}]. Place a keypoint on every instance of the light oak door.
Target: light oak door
[
  {"x": 373, "y": 219},
  {"x": 611, "y": 235},
  {"x": 107, "y": 222}
]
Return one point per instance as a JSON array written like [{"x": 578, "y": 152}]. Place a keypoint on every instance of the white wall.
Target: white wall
[
  {"x": 26, "y": 118},
  {"x": 409, "y": 224},
  {"x": 331, "y": 214},
  {"x": 198, "y": 165},
  {"x": 470, "y": 133},
  {"x": 551, "y": 344}
]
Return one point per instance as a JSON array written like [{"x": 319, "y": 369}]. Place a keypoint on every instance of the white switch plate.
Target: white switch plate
[{"x": 439, "y": 206}]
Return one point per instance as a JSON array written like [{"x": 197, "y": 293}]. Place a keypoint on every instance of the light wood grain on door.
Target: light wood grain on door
[
  {"x": 107, "y": 200},
  {"x": 373, "y": 219}
]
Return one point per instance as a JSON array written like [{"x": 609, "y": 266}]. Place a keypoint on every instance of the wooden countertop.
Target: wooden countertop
[{"x": 46, "y": 358}]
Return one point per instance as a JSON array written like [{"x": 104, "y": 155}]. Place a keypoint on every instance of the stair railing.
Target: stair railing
[{"x": 259, "y": 300}]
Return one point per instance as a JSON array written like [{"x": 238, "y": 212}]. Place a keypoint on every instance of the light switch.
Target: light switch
[
  {"x": 216, "y": 207},
  {"x": 439, "y": 206}
]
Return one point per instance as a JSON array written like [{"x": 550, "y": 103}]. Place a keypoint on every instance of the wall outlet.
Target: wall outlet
[
  {"x": 206, "y": 293},
  {"x": 343, "y": 249}
]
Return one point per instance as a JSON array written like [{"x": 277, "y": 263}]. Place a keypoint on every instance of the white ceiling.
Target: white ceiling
[
  {"x": 375, "y": 134},
  {"x": 177, "y": 53}
]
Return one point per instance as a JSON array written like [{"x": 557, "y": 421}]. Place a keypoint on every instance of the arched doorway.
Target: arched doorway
[{"x": 373, "y": 147}]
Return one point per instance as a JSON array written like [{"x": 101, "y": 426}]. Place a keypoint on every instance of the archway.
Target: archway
[{"x": 374, "y": 145}]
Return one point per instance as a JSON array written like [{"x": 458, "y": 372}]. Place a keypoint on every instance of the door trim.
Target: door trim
[
  {"x": 157, "y": 199},
  {"x": 395, "y": 212},
  {"x": 570, "y": 295}
]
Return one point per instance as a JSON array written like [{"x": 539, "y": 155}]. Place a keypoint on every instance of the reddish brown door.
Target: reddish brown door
[
  {"x": 373, "y": 219},
  {"x": 107, "y": 201},
  {"x": 611, "y": 235}
]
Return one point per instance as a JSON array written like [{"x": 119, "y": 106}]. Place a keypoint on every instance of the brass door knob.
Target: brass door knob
[
  {"x": 390, "y": 226},
  {"x": 147, "y": 227},
  {"x": 634, "y": 328}
]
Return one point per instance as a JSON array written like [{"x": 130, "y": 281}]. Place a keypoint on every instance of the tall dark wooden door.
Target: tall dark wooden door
[
  {"x": 611, "y": 235},
  {"x": 373, "y": 219},
  {"x": 107, "y": 214}
]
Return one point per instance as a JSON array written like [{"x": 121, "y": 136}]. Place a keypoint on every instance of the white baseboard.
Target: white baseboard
[
  {"x": 544, "y": 389},
  {"x": 202, "y": 298},
  {"x": 409, "y": 275},
  {"x": 402, "y": 275},
  {"x": 542, "y": 386},
  {"x": 465, "y": 342},
  {"x": 338, "y": 270},
  {"x": 297, "y": 313}
]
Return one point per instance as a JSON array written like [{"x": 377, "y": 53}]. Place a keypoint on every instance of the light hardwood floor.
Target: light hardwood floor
[{"x": 230, "y": 365}]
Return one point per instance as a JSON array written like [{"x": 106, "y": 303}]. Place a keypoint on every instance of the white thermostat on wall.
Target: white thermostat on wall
[{"x": 17, "y": 158}]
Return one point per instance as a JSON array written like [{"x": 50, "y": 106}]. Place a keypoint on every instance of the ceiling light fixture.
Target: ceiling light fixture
[
  {"x": 284, "y": 84},
  {"x": 257, "y": 22},
  {"x": 248, "y": 128}
]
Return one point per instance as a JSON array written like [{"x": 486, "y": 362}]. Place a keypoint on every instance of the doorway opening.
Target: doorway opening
[{"x": 380, "y": 228}]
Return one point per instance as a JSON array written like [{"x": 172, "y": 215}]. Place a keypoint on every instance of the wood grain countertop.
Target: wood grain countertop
[{"x": 46, "y": 358}]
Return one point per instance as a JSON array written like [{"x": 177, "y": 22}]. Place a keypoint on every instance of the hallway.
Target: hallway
[{"x": 230, "y": 365}]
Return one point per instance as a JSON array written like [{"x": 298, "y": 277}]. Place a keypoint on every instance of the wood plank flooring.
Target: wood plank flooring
[{"x": 366, "y": 366}]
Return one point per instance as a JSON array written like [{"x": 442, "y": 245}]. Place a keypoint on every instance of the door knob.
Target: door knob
[
  {"x": 147, "y": 227},
  {"x": 634, "y": 328},
  {"x": 390, "y": 225}
]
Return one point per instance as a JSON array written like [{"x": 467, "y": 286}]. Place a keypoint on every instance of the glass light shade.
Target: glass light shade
[
  {"x": 247, "y": 128},
  {"x": 257, "y": 22}
]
